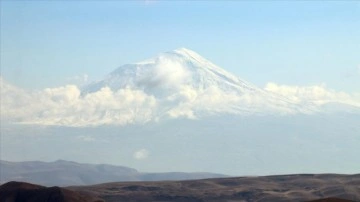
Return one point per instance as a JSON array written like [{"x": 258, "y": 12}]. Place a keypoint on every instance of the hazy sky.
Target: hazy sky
[{"x": 48, "y": 44}]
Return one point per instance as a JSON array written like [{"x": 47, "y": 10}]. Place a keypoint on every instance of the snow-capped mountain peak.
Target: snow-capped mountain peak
[
  {"x": 184, "y": 83},
  {"x": 188, "y": 53},
  {"x": 183, "y": 53},
  {"x": 169, "y": 71}
]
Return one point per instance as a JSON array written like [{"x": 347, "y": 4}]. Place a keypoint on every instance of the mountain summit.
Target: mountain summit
[{"x": 170, "y": 71}]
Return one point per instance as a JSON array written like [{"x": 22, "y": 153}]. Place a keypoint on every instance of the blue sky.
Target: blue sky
[
  {"x": 292, "y": 44},
  {"x": 48, "y": 44}
]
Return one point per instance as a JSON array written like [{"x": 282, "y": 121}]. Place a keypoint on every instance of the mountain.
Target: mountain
[
  {"x": 169, "y": 70},
  {"x": 187, "y": 85},
  {"x": 62, "y": 173}
]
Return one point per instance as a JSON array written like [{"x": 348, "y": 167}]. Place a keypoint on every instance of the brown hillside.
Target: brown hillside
[
  {"x": 280, "y": 188},
  {"x": 332, "y": 200}
]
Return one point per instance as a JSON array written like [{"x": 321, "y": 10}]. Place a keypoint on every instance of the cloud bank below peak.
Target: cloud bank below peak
[
  {"x": 317, "y": 94},
  {"x": 65, "y": 106}
]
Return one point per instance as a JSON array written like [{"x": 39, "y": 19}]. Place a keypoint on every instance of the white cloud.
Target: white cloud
[
  {"x": 317, "y": 94},
  {"x": 141, "y": 154},
  {"x": 167, "y": 74},
  {"x": 192, "y": 104},
  {"x": 66, "y": 106}
]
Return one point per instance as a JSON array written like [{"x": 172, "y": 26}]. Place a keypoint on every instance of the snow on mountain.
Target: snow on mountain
[
  {"x": 189, "y": 85},
  {"x": 171, "y": 70}
]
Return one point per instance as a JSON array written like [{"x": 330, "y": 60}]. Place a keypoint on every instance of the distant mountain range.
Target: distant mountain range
[{"x": 65, "y": 173}]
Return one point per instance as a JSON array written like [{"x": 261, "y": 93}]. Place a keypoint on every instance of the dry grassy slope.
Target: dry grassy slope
[{"x": 271, "y": 188}]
